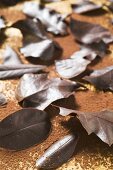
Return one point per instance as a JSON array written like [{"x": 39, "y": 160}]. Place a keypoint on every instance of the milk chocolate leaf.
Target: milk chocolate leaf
[
  {"x": 76, "y": 64},
  {"x": 53, "y": 21},
  {"x": 101, "y": 79},
  {"x": 3, "y": 99},
  {"x": 85, "y": 6},
  {"x": 45, "y": 50},
  {"x": 88, "y": 33},
  {"x": 49, "y": 91},
  {"x": 100, "y": 123},
  {"x": 58, "y": 153},
  {"x": 24, "y": 129},
  {"x": 15, "y": 71},
  {"x": 11, "y": 57}
]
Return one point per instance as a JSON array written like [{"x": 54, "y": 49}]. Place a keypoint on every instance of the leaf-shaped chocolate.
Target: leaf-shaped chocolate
[
  {"x": 49, "y": 90},
  {"x": 88, "y": 33},
  {"x": 3, "y": 99},
  {"x": 15, "y": 71},
  {"x": 100, "y": 123},
  {"x": 11, "y": 57},
  {"x": 101, "y": 79},
  {"x": 45, "y": 49},
  {"x": 58, "y": 153},
  {"x": 36, "y": 43},
  {"x": 24, "y": 128},
  {"x": 53, "y": 21},
  {"x": 76, "y": 64},
  {"x": 85, "y": 6}
]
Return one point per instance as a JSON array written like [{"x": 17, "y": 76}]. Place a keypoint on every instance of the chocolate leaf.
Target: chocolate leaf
[
  {"x": 49, "y": 90},
  {"x": 101, "y": 79},
  {"x": 53, "y": 21},
  {"x": 31, "y": 27},
  {"x": 3, "y": 99},
  {"x": 85, "y": 6},
  {"x": 76, "y": 64},
  {"x": 58, "y": 153},
  {"x": 88, "y": 33},
  {"x": 15, "y": 71},
  {"x": 45, "y": 50},
  {"x": 100, "y": 123},
  {"x": 36, "y": 43},
  {"x": 23, "y": 129},
  {"x": 11, "y": 57}
]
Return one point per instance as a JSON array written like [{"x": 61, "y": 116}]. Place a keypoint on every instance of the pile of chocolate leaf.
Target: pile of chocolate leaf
[{"x": 36, "y": 91}]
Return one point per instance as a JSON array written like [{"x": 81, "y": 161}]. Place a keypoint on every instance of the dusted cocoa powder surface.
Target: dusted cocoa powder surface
[{"x": 91, "y": 152}]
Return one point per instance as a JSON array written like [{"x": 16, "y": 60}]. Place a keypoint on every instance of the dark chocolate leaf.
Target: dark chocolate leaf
[
  {"x": 36, "y": 43},
  {"x": 53, "y": 21},
  {"x": 58, "y": 153},
  {"x": 24, "y": 129},
  {"x": 100, "y": 48},
  {"x": 15, "y": 71},
  {"x": 10, "y": 57},
  {"x": 101, "y": 79},
  {"x": 76, "y": 64},
  {"x": 100, "y": 123},
  {"x": 88, "y": 33},
  {"x": 85, "y": 6},
  {"x": 3, "y": 100},
  {"x": 45, "y": 49},
  {"x": 49, "y": 90},
  {"x": 31, "y": 27}
]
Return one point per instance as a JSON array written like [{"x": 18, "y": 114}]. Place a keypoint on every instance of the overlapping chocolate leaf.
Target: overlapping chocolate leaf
[
  {"x": 100, "y": 123},
  {"x": 3, "y": 100},
  {"x": 53, "y": 21},
  {"x": 85, "y": 6},
  {"x": 101, "y": 79},
  {"x": 88, "y": 33},
  {"x": 48, "y": 91},
  {"x": 12, "y": 66},
  {"x": 36, "y": 43},
  {"x": 76, "y": 64},
  {"x": 58, "y": 153},
  {"x": 24, "y": 129}
]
